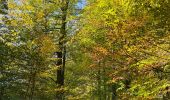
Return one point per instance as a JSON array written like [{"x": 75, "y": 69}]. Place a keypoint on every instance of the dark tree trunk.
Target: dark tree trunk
[
  {"x": 3, "y": 11},
  {"x": 114, "y": 96},
  {"x": 105, "y": 83},
  {"x": 99, "y": 82},
  {"x": 32, "y": 86},
  {"x": 1, "y": 93},
  {"x": 62, "y": 53}
]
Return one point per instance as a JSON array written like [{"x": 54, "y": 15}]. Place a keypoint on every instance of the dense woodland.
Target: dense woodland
[{"x": 84, "y": 49}]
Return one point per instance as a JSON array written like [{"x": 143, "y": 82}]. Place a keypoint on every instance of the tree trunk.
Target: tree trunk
[
  {"x": 99, "y": 85},
  {"x": 62, "y": 52},
  {"x": 104, "y": 83},
  {"x": 114, "y": 96},
  {"x": 32, "y": 86},
  {"x": 3, "y": 11},
  {"x": 99, "y": 82},
  {"x": 1, "y": 93}
]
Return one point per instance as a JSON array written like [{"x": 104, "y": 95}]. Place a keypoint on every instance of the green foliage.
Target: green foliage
[{"x": 116, "y": 49}]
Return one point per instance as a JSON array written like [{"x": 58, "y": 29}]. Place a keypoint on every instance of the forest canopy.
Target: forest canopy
[{"x": 84, "y": 49}]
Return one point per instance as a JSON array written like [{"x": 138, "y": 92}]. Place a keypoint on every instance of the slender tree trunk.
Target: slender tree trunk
[
  {"x": 1, "y": 93},
  {"x": 28, "y": 87},
  {"x": 99, "y": 82},
  {"x": 3, "y": 11},
  {"x": 114, "y": 96},
  {"x": 62, "y": 53},
  {"x": 99, "y": 85},
  {"x": 32, "y": 86},
  {"x": 104, "y": 82}
]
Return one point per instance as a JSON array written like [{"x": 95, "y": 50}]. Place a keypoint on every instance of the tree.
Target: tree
[
  {"x": 62, "y": 48},
  {"x": 124, "y": 32},
  {"x": 98, "y": 50}
]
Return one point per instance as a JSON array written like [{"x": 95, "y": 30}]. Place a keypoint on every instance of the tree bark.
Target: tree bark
[
  {"x": 114, "y": 96},
  {"x": 99, "y": 82},
  {"x": 62, "y": 52},
  {"x": 3, "y": 11}
]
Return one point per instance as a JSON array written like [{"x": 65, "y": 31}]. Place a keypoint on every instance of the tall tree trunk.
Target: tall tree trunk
[
  {"x": 1, "y": 93},
  {"x": 31, "y": 85},
  {"x": 3, "y": 11},
  {"x": 114, "y": 95},
  {"x": 104, "y": 82},
  {"x": 99, "y": 85},
  {"x": 99, "y": 81},
  {"x": 62, "y": 52},
  {"x": 31, "y": 95}
]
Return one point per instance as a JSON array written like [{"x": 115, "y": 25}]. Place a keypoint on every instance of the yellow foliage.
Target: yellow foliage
[
  {"x": 101, "y": 50},
  {"x": 46, "y": 45},
  {"x": 40, "y": 14}
]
